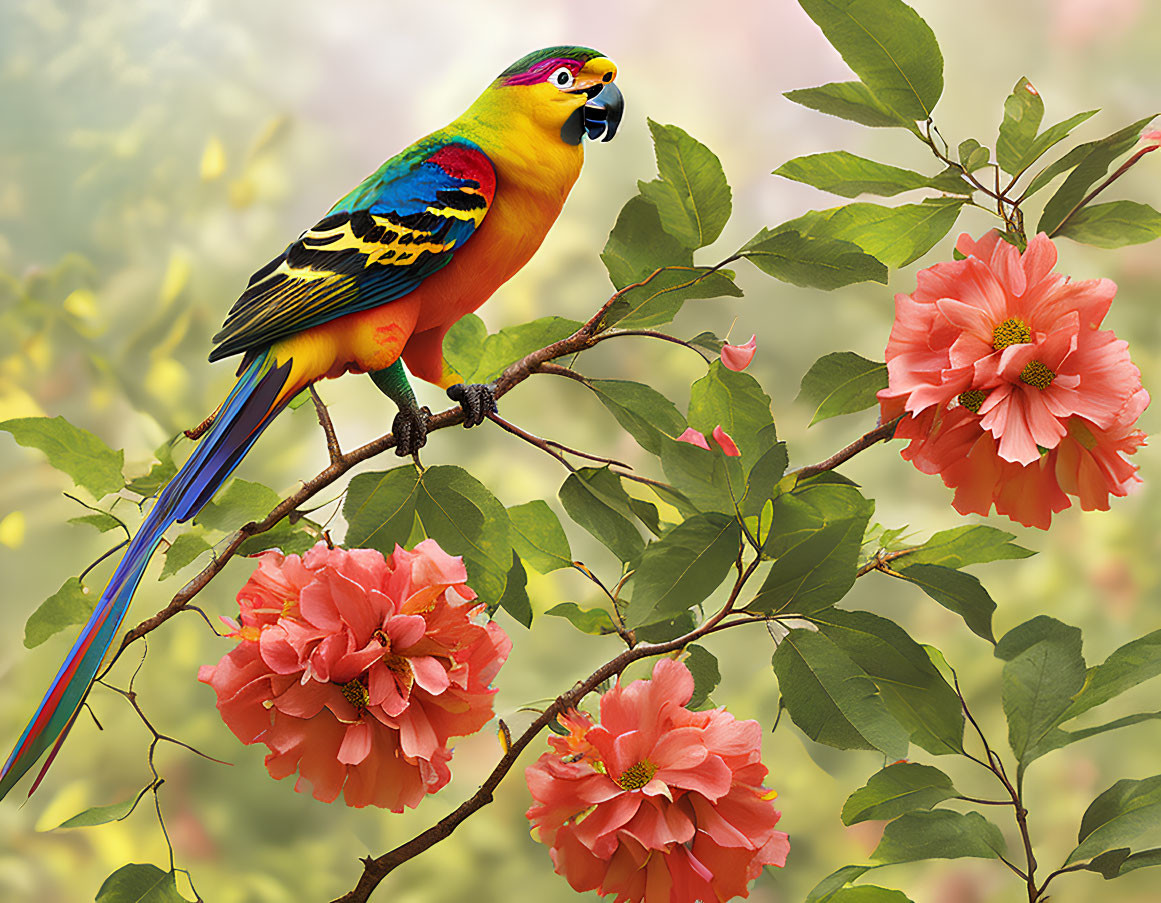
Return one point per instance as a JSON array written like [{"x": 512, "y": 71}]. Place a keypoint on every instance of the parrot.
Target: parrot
[{"x": 372, "y": 287}]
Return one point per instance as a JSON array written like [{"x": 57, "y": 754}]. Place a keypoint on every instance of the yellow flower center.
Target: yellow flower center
[
  {"x": 355, "y": 692},
  {"x": 972, "y": 399},
  {"x": 1038, "y": 375},
  {"x": 637, "y": 776},
  {"x": 401, "y": 668},
  {"x": 1011, "y": 332}
]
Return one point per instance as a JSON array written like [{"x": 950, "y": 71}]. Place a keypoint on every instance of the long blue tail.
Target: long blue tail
[{"x": 259, "y": 395}]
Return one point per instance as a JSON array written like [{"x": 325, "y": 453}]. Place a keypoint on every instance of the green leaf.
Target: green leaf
[
  {"x": 101, "y": 520},
  {"x": 515, "y": 598},
  {"x": 101, "y": 815},
  {"x": 703, "y": 665},
  {"x": 638, "y": 245},
  {"x": 707, "y": 341},
  {"x": 595, "y": 499},
  {"x": 240, "y": 503},
  {"x": 461, "y": 514},
  {"x": 812, "y": 504},
  {"x": 896, "y": 236},
  {"x": 683, "y": 568},
  {"x": 1118, "y": 862},
  {"x": 1128, "y": 814},
  {"x": 973, "y": 155},
  {"x": 512, "y": 343},
  {"x": 183, "y": 552},
  {"x": 538, "y": 536},
  {"x": 464, "y": 344},
  {"x": 708, "y": 480},
  {"x": 1091, "y": 162},
  {"x": 1043, "y": 670},
  {"x": 762, "y": 482},
  {"x": 939, "y": 834},
  {"x": 692, "y": 196},
  {"x": 735, "y": 402},
  {"x": 380, "y": 508},
  {"x": 657, "y": 298},
  {"x": 868, "y": 893},
  {"x": 71, "y": 450},
  {"x": 286, "y": 537},
  {"x": 1128, "y": 666},
  {"x": 841, "y": 383},
  {"x": 1113, "y": 225},
  {"x": 812, "y": 261},
  {"x": 826, "y": 889},
  {"x": 140, "y": 884},
  {"x": 159, "y": 474},
  {"x": 840, "y": 172},
  {"x": 645, "y": 413},
  {"x": 955, "y": 591},
  {"x": 71, "y": 604},
  {"x": 1023, "y": 112},
  {"x": 902, "y": 787},
  {"x": 594, "y": 621},
  {"x": 852, "y": 101},
  {"x": 911, "y": 687},
  {"x": 889, "y": 47},
  {"x": 961, "y": 546},
  {"x": 831, "y": 699},
  {"x": 1050, "y": 137}
]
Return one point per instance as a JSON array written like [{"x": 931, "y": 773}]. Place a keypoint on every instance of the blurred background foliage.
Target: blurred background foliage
[{"x": 153, "y": 154}]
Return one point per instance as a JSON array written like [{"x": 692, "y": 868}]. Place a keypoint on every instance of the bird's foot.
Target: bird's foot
[
  {"x": 478, "y": 400},
  {"x": 410, "y": 430}
]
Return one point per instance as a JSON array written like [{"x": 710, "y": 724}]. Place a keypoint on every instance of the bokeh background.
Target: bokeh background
[{"x": 153, "y": 154}]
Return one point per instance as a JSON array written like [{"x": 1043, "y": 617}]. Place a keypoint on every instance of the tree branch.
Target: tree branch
[{"x": 880, "y": 433}]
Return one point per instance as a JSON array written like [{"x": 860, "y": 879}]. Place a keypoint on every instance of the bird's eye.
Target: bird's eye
[{"x": 562, "y": 78}]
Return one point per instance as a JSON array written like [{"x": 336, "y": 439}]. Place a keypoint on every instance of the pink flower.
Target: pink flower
[
  {"x": 1000, "y": 364},
  {"x": 722, "y": 438},
  {"x": 738, "y": 357},
  {"x": 657, "y": 802},
  {"x": 355, "y": 670},
  {"x": 693, "y": 437}
]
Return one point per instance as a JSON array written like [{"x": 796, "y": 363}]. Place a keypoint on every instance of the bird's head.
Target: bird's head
[{"x": 568, "y": 90}]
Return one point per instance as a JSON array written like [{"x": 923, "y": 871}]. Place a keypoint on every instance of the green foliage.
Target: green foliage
[
  {"x": 1113, "y": 225},
  {"x": 703, "y": 665},
  {"x": 515, "y": 599},
  {"x": 594, "y": 621},
  {"x": 538, "y": 537},
  {"x": 844, "y": 173},
  {"x": 812, "y": 261},
  {"x": 101, "y": 520},
  {"x": 1043, "y": 670},
  {"x": 955, "y": 591},
  {"x": 831, "y": 699},
  {"x": 238, "y": 504},
  {"x": 657, "y": 298},
  {"x": 867, "y": 893},
  {"x": 898, "y": 788},
  {"x": 638, "y": 245},
  {"x": 853, "y": 101},
  {"x": 707, "y": 480},
  {"x": 971, "y": 544},
  {"x": 1088, "y": 162},
  {"x": 682, "y": 568},
  {"x": 1130, "y": 665},
  {"x": 101, "y": 815},
  {"x": 692, "y": 196},
  {"x": 1023, "y": 112},
  {"x": 512, "y": 343},
  {"x": 69, "y": 605},
  {"x": 596, "y": 500},
  {"x": 185, "y": 550},
  {"x": 463, "y": 346},
  {"x": 76, "y": 452},
  {"x": 833, "y": 883},
  {"x": 890, "y": 48},
  {"x": 735, "y": 402},
  {"x": 939, "y": 834},
  {"x": 644, "y": 413},
  {"x": 138, "y": 883},
  {"x": 972, "y": 155},
  {"x": 841, "y": 382},
  {"x": 1127, "y": 815},
  {"x": 160, "y": 473}
]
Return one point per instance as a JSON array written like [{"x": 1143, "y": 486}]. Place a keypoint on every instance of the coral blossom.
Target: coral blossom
[
  {"x": 657, "y": 803},
  {"x": 738, "y": 357},
  {"x": 355, "y": 670},
  {"x": 721, "y": 437},
  {"x": 1013, "y": 393}
]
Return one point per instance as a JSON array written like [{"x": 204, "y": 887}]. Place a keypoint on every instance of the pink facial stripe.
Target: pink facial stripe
[{"x": 541, "y": 70}]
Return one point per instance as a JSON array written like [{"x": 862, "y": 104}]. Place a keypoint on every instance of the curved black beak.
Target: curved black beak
[{"x": 602, "y": 113}]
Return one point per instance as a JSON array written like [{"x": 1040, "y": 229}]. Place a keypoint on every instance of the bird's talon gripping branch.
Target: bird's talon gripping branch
[
  {"x": 477, "y": 399},
  {"x": 410, "y": 430}
]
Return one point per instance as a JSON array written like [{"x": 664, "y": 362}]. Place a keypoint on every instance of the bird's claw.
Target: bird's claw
[
  {"x": 478, "y": 400},
  {"x": 410, "y": 430}
]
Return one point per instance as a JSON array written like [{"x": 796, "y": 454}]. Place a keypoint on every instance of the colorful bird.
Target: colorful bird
[{"x": 374, "y": 285}]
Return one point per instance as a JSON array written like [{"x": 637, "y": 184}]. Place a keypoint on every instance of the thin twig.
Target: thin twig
[
  {"x": 880, "y": 433},
  {"x": 529, "y": 438},
  {"x": 653, "y": 334},
  {"x": 324, "y": 420}
]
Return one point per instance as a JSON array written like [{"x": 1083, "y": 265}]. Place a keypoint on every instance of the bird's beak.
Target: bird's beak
[{"x": 602, "y": 113}]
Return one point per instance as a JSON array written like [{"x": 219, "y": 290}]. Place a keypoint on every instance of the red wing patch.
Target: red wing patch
[{"x": 462, "y": 162}]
